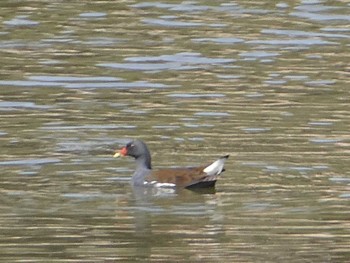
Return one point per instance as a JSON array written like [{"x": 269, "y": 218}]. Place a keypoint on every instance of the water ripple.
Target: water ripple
[
  {"x": 21, "y": 21},
  {"x": 325, "y": 140},
  {"x": 72, "y": 82},
  {"x": 93, "y": 15},
  {"x": 293, "y": 42},
  {"x": 299, "y": 33},
  {"x": 178, "y": 61},
  {"x": 219, "y": 40},
  {"x": 183, "y": 7},
  {"x": 24, "y": 162},
  {"x": 89, "y": 127},
  {"x": 212, "y": 114},
  {"x": 321, "y": 17},
  {"x": 20, "y": 104},
  {"x": 191, "y": 95},
  {"x": 183, "y": 57},
  {"x": 67, "y": 78},
  {"x": 170, "y": 23}
]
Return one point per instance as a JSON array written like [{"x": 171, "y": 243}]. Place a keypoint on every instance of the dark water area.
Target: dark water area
[{"x": 266, "y": 82}]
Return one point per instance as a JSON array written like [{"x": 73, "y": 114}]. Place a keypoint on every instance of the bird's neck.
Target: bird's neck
[
  {"x": 143, "y": 168},
  {"x": 144, "y": 161}
]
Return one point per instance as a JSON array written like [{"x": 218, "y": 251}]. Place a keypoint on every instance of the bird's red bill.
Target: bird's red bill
[{"x": 123, "y": 152}]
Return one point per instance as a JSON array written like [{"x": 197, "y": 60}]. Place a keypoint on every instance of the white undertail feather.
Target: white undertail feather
[{"x": 216, "y": 167}]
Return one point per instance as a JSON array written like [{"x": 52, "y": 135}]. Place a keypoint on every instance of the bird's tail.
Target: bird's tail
[{"x": 216, "y": 167}]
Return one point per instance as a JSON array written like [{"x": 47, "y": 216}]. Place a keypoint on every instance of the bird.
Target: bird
[{"x": 198, "y": 177}]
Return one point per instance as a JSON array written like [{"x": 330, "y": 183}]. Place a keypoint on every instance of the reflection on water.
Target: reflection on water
[{"x": 266, "y": 83}]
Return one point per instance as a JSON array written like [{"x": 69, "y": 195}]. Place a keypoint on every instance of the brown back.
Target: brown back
[{"x": 182, "y": 177}]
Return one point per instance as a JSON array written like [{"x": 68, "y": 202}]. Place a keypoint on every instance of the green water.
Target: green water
[{"x": 266, "y": 82}]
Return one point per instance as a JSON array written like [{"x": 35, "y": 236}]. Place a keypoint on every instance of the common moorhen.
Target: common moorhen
[{"x": 190, "y": 177}]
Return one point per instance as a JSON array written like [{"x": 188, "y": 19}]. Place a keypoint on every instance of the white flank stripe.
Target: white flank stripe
[
  {"x": 160, "y": 185},
  {"x": 165, "y": 185}
]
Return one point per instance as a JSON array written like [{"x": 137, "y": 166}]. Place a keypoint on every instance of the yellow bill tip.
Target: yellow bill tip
[{"x": 117, "y": 155}]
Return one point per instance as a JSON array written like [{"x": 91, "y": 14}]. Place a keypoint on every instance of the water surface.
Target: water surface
[{"x": 266, "y": 82}]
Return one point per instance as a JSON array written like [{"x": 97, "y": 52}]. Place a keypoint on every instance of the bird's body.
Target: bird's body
[{"x": 188, "y": 177}]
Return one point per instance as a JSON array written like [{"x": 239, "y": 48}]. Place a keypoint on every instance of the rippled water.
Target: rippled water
[{"x": 266, "y": 82}]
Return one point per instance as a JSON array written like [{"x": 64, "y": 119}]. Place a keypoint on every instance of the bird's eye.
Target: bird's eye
[{"x": 130, "y": 145}]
